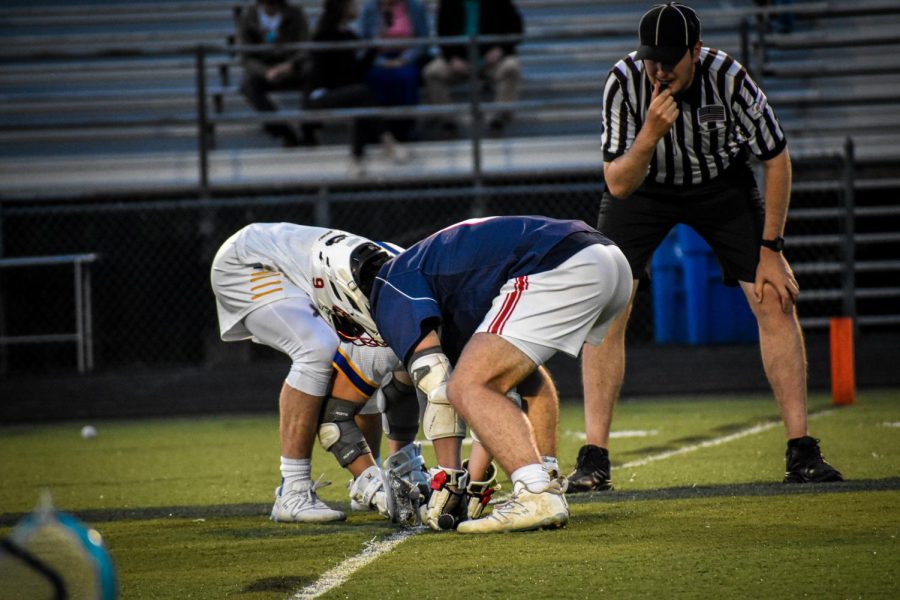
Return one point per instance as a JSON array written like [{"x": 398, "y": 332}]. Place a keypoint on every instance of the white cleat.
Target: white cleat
[
  {"x": 298, "y": 503},
  {"x": 524, "y": 511}
]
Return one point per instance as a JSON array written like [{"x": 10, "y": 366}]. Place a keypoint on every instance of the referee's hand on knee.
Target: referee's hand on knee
[{"x": 774, "y": 269}]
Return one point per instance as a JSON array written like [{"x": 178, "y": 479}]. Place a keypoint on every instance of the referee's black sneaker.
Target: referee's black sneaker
[
  {"x": 805, "y": 463},
  {"x": 591, "y": 472}
]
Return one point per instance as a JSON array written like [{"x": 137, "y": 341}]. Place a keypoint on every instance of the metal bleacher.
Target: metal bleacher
[
  {"x": 102, "y": 98},
  {"x": 101, "y": 116}
]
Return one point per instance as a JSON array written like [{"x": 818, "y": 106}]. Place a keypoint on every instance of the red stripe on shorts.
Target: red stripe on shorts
[{"x": 509, "y": 305}]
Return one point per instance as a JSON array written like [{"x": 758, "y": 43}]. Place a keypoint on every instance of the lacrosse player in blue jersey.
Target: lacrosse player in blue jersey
[{"x": 494, "y": 298}]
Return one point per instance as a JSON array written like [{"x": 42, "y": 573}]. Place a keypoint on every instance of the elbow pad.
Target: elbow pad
[{"x": 430, "y": 370}]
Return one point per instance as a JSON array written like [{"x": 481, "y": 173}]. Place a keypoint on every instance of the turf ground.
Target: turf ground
[{"x": 698, "y": 511}]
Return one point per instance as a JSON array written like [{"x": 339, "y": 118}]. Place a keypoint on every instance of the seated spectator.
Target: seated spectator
[
  {"x": 337, "y": 80},
  {"x": 497, "y": 64},
  {"x": 273, "y": 22},
  {"x": 396, "y": 72}
]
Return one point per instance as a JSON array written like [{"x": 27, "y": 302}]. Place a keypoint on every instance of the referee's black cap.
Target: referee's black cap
[{"x": 667, "y": 31}]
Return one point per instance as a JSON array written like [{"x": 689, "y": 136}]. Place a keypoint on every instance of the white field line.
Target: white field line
[
  {"x": 341, "y": 573},
  {"x": 620, "y": 434},
  {"x": 580, "y": 435}
]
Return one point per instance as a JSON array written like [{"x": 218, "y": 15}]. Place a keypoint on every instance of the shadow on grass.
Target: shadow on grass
[
  {"x": 374, "y": 522},
  {"x": 277, "y": 584},
  {"x": 268, "y": 529},
  {"x": 742, "y": 489},
  {"x": 676, "y": 444}
]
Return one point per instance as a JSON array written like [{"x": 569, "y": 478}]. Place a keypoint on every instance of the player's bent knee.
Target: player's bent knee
[
  {"x": 339, "y": 433},
  {"x": 311, "y": 368},
  {"x": 311, "y": 379},
  {"x": 460, "y": 388}
]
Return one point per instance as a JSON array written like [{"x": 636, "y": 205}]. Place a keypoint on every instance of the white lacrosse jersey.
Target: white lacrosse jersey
[
  {"x": 367, "y": 367},
  {"x": 259, "y": 264}
]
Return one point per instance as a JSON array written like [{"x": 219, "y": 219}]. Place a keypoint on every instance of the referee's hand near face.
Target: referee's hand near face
[
  {"x": 663, "y": 112},
  {"x": 627, "y": 172}
]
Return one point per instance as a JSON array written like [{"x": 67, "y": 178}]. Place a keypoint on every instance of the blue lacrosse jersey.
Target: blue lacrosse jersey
[{"x": 450, "y": 279}]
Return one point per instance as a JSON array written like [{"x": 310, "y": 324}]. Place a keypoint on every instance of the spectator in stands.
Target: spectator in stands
[
  {"x": 497, "y": 62},
  {"x": 337, "y": 80},
  {"x": 396, "y": 72},
  {"x": 273, "y": 22},
  {"x": 679, "y": 123}
]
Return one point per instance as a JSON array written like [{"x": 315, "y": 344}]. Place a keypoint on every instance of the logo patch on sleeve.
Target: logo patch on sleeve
[
  {"x": 711, "y": 113},
  {"x": 758, "y": 107}
]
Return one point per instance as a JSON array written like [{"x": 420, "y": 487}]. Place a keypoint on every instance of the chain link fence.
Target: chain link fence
[{"x": 152, "y": 304}]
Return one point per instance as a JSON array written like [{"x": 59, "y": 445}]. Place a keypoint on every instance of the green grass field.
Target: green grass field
[{"x": 183, "y": 504}]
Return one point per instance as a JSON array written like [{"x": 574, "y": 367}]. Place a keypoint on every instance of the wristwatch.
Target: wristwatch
[{"x": 776, "y": 245}]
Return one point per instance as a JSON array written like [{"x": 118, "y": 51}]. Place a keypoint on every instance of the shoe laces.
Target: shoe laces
[
  {"x": 295, "y": 499},
  {"x": 511, "y": 506}
]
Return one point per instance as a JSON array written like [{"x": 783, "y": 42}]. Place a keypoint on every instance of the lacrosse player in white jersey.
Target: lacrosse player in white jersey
[{"x": 270, "y": 289}]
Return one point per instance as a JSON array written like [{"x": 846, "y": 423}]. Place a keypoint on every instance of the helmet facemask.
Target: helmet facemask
[
  {"x": 350, "y": 331},
  {"x": 345, "y": 267}
]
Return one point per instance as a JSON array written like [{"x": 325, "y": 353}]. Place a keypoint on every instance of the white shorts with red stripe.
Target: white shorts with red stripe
[{"x": 564, "y": 308}]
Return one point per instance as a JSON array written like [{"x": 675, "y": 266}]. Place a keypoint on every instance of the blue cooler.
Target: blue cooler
[{"x": 691, "y": 305}]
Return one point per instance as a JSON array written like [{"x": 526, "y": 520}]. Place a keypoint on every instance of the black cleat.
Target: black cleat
[
  {"x": 805, "y": 463},
  {"x": 591, "y": 472}
]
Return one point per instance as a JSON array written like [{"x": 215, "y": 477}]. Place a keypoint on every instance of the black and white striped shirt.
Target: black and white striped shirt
[{"x": 722, "y": 112}]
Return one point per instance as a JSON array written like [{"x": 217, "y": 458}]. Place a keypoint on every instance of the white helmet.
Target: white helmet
[{"x": 343, "y": 269}]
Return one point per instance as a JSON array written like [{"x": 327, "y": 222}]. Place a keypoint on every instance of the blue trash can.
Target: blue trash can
[
  {"x": 670, "y": 326},
  {"x": 691, "y": 305}
]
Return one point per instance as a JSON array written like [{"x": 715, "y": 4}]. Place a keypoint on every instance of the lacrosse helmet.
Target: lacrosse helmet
[{"x": 343, "y": 269}]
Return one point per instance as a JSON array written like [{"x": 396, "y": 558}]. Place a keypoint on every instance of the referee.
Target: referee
[{"x": 679, "y": 123}]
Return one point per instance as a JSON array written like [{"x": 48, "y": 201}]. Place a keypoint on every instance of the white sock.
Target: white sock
[
  {"x": 551, "y": 465},
  {"x": 295, "y": 469},
  {"x": 534, "y": 477}
]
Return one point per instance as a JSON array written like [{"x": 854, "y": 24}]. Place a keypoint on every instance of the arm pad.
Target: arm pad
[{"x": 430, "y": 370}]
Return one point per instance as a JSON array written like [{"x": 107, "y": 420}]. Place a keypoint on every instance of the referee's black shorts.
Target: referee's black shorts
[{"x": 727, "y": 212}]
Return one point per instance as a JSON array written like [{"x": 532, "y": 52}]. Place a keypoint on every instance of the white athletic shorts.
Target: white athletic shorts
[
  {"x": 293, "y": 327},
  {"x": 240, "y": 289},
  {"x": 564, "y": 308}
]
